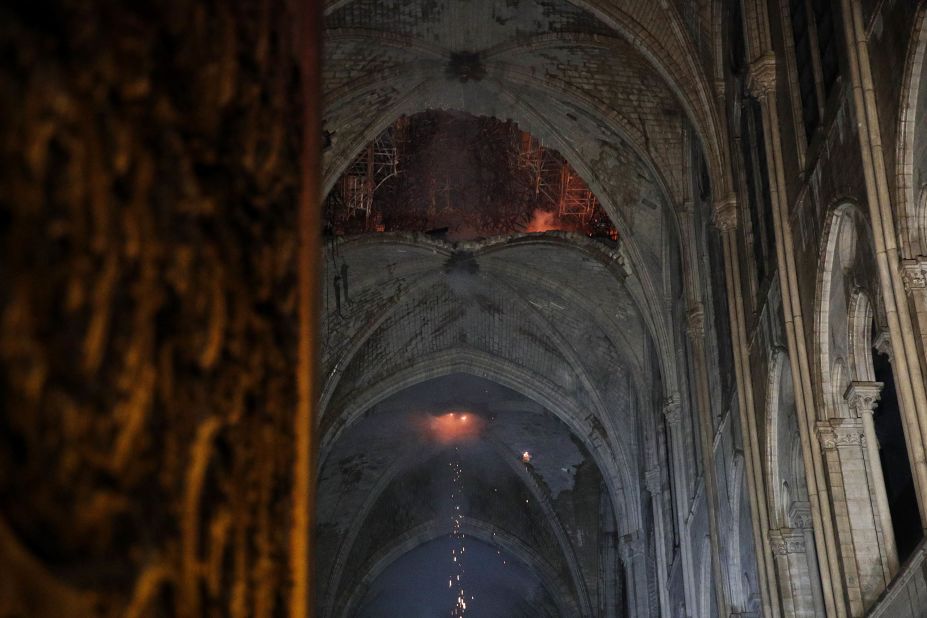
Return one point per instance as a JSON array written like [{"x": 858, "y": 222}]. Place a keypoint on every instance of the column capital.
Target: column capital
[
  {"x": 794, "y": 540},
  {"x": 840, "y": 432},
  {"x": 785, "y": 541},
  {"x": 800, "y": 514},
  {"x": 724, "y": 214},
  {"x": 883, "y": 344},
  {"x": 914, "y": 274},
  {"x": 630, "y": 546},
  {"x": 672, "y": 410},
  {"x": 696, "y": 322},
  {"x": 653, "y": 480},
  {"x": 776, "y": 542},
  {"x": 863, "y": 396},
  {"x": 761, "y": 75}
]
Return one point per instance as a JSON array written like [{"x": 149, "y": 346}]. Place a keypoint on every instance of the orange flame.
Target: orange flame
[{"x": 543, "y": 221}]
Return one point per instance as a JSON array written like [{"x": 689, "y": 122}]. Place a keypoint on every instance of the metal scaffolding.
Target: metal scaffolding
[
  {"x": 555, "y": 181},
  {"x": 378, "y": 163}
]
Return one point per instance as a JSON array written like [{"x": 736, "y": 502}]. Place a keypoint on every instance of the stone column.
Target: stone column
[
  {"x": 862, "y": 398},
  {"x": 706, "y": 425},
  {"x": 800, "y": 518},
  {"x": 633, "y": 554},
  {"x": 907, "y": 361},
  {"x": 672, "y": 413},
  {"x": 790, "y": 548},
  {"x": 654, "y": 483},
  {"x": 608, "y": 570},
  {"x": 855, "y": 512},
  {"x": 725, "y": 220},
  {"x": 762, "y": 84},
  {"x": 914, "y": 276}
]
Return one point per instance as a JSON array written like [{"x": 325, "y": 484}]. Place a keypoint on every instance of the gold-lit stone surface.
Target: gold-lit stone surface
[{"x": 147, "y": 330}]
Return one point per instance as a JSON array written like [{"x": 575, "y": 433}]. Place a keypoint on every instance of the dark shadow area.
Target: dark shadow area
[{"x": 899, "y": 484}]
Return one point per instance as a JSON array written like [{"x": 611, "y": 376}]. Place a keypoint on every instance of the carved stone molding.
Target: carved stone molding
[
  {"x": 914, "y": 274},
  {"x": 883, "y": 345},
  {"x": 800, "y": 514},
  {"x": 794, "y": 539},
  {"x": 724, "y": 215},
  {"x": 630, "y": 546},
  {"x": 840, "y": 432},
  {"x": 863, "y": 396},
  {"x": 787, "y": 541},
  {"x": 761, "y": 77},
  {"x": 776, "y": 543},
  {"x": 696, "y": 322},
  {"x": 672, "y": 410}
]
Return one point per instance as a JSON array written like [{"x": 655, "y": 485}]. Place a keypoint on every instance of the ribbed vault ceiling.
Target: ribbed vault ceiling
[{"x": 558, "y": 341}]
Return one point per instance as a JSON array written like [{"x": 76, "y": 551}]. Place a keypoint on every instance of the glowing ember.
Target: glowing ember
[
  {"x": 526, "y": 457},
  {"x": 454, "y": 427}
]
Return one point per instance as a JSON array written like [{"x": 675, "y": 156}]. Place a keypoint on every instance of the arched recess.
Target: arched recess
[
  {"x": 792, "y": 537},
  {"x": 847, "y": 267},
  {"x": 911, "y": 150},
  {"x": 784, "y": 464},
  {"x": 735, "y": 544},
  {"x": 845, "y": 238},
  {"x": 486, "y": 532}
]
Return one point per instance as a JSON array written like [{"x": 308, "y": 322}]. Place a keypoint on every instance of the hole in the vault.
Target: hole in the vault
[
  {"x": 462, "y": 177},
  {"x": 454, "y": 426}
]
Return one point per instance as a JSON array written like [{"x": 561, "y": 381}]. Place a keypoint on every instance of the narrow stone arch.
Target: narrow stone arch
[
  {"x": 781, "y": 427},
  {"x": 791, "y": 536},
  {"x": 838, "y": 255},
  {"x": 861, "y": 317},
  {"x": 911, "y": 196},
  {"x": 737, "y": 485}
]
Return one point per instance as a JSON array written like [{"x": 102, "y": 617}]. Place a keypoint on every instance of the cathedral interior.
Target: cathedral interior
[{"x": 487, "y": 308}]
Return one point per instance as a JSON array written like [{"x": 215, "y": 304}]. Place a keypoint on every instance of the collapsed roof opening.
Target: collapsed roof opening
[{"x": 462, "y": 177}]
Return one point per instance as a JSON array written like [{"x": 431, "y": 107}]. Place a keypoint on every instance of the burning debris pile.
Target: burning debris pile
[{"x": 463, "y": 177}]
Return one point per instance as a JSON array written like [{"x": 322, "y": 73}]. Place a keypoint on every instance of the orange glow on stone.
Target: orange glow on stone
[{"x": 452, "y": 427}]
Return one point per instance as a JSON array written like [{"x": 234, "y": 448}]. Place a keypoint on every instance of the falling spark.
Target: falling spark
[{"x": 460, "y": 606}]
